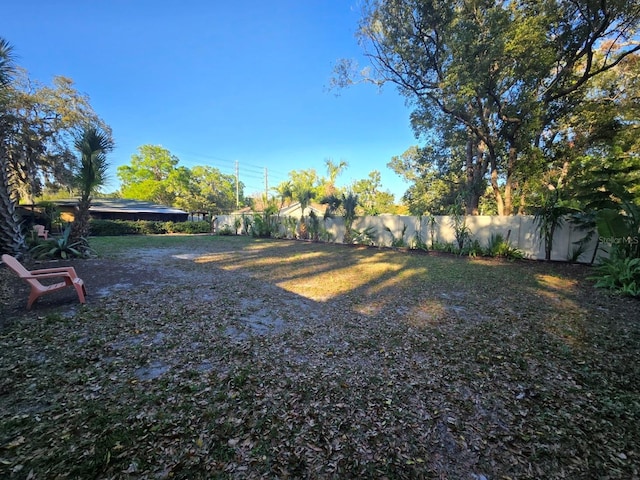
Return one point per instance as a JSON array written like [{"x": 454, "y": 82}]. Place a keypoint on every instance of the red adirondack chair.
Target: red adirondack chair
[{"x": 33, "y": 277}]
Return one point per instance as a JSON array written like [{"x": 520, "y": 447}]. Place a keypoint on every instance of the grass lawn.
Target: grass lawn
[{"x": 230, "y": 357}]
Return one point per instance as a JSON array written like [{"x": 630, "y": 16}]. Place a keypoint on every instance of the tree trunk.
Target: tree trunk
[
  {"x": 80, "y": 228},
  {"x": 508, "y": 197},
  {"x": 12, "y": 239},
  {"x": 523, "y": 202},
  {"x": 496, "y": 188},
  {"x": 471, "y": 205},
  {"x": 508, "y": 187},
  {"x": 548, "y": 243},
  {"x": 475, "y": 172}
]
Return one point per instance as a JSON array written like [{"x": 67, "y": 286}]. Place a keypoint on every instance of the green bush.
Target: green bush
[
  {"x": 419, "y": 243},
  {"x": 145, "y": 227},
  {"x": 104, "y": 228},
  {"x": 262, "y": 226},
  {"x": 499, "y": 247},
  {"x": 149, "y": 227},
  {"x": 619, "y": 274},
  {"x": 473, "y": 249},
  {"x": 446, "y": 247},
  {"x": 61, "y": 247},
  {"x": 188, "y": 227}
]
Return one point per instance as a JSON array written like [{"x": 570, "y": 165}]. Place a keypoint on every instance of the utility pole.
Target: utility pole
[
  {"x": 266, "y": 185},
  {"x": 237, "y": 185}
]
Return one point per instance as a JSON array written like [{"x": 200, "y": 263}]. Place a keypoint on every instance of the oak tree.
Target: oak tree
[{"x": 503, "y": 72}]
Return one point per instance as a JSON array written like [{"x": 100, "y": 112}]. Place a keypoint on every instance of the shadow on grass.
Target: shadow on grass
[{"x": 240, "y": 358}]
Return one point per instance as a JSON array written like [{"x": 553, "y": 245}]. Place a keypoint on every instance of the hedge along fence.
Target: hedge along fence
[
  {"x": 521, "y": 231},
  {"x": 146, "y": 227}
]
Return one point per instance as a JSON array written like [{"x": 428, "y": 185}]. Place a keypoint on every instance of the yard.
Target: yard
[{"x": 229, "y": 357}]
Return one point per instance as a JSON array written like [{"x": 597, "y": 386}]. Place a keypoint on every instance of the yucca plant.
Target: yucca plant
[
  {"x": 62, "y": 247},
  {"x": 93, "y": 146}
]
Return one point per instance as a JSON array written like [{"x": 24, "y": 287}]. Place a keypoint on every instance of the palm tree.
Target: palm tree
[
  {"x": 549, "y": 217},
  {"x": 284, "y": 191},
  {"x": 12, "y": 239},
  {"x": 304, "y": 196},
  {"x": 93, "y": 145},
  {"x": 346, "y": 205},
  {"x": 7, "y": 66},
  {"x": 349, "y": 205},
  {"x": 333, "y": 169}
]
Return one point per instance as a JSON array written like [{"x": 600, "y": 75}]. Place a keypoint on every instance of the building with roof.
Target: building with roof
[{"x": 113, "y": 209}]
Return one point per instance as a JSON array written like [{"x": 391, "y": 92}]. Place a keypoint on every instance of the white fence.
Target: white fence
[{"x": 521, "y": 231}]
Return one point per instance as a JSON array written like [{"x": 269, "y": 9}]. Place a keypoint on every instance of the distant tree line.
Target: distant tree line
[{"x": 155, "y": 175}]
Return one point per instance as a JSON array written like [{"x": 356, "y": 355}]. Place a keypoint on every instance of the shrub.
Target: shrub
[
  {"x": 499, "y": 247},
  {"x": 104, "y": 228},
  {"x": 146, "y": 227},
  {"x": 620, "y": 274},
  {"x": 447, "y": 247},
  {"x": 290, "y": 224},
  {"x": 189, "y": 227},
  {"x": 61, "y": 247},
  {"x": 149, "y": 227},
  {"x": 364, "y": 237},
  {"x": 495, "y": 244},
  {"x": 461, "y": 230},
  {"x": 247, "y": 223},
  {"x": 400, "y": 241},
  {"x": 419, "y": 243},
  {"x": 473, "y": 248},
  {"x": 261, "y": 227}
]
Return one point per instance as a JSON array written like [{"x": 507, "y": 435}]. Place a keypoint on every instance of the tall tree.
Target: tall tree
[
  {"x": 345, "y": 205},
  {"x": 93, "y": 145},
  {"x": 605, "y": 132},
  {"x": 208, "y": 190},
  {"x": 333, "y": 171},
  {"x": 284, "y": 191},
  {"x": 435, "y": 180},
  {"x": 155, "y": 176},
  {"x": 506, "y": 72},
  {"x": 45, "y": 122},
  {"x": 372, "y": 199},
  {"x": 12, "y": 239},
  {"x": 151, "y": 176}
]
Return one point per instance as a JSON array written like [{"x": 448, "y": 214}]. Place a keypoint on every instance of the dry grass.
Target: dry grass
[{"x": 241, "y": 358}]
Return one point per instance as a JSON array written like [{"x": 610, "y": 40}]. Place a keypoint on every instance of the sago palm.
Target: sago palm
[{"x": 93, "y": 146}]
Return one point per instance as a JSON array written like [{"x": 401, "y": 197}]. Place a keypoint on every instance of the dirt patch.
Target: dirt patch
[
  {"x": 262, "y": 359},
  {"x": 151, "y": 268}
]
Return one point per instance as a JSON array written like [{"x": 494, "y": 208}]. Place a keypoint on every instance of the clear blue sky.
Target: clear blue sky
[{"x": 217, "y": 82}]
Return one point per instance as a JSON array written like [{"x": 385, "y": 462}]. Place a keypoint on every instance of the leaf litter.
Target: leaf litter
[{"x": 240, "y": 358}]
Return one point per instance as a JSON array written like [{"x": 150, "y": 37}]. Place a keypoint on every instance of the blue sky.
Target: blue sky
[{"x": 218, "y": 82}]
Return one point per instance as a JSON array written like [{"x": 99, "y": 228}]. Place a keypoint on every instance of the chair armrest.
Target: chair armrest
[
  {"x": 50, "y": 275},
  {"x": 69, "y": 270}
]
